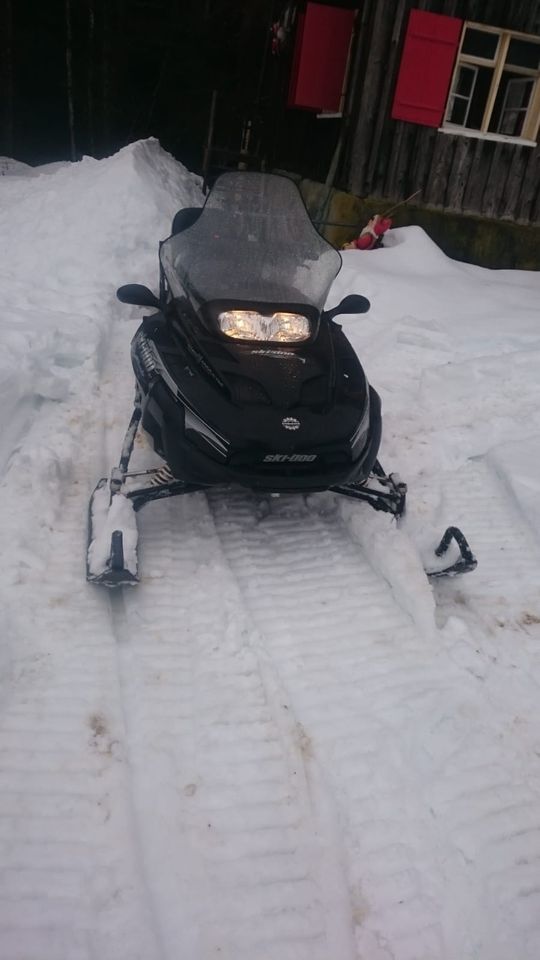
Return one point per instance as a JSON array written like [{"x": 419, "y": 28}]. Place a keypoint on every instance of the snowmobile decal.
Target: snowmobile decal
[
  {"x": 290, "y": 423},
  {"x": 279, "y": 355},
  {"x": 289, "y": 458}
]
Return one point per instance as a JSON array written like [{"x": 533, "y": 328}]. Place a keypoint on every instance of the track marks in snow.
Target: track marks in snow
[
  {"x": 507, "y": 548},
  {"x": 414, "y": 756},
  {"x": 236, "y": 858},
  {"x": 69, "y": 886},
  {"x": 70, "y": 881},
  {"x": 499, "y": 603}
]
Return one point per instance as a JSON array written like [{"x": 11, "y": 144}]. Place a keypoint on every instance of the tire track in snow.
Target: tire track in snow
[
  {"x": 234, "y": 853},
  {"x": 499, "y": 603},
  {"x": 69, "y": 886},
  {"x": 437, "y": 802},
  {"x": 507, "y": 550},
  {"x": 228, "y": 841}
]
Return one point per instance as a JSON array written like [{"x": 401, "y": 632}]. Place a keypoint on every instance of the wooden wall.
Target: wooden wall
[{"x": 392, "y": 158}]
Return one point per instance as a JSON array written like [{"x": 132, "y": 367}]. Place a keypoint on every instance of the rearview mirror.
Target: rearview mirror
[
  {"x": 137, "y": 294},
  {"x": 354, "y": 303}
]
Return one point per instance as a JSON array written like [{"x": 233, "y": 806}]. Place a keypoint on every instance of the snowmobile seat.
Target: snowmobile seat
[{"x": 185, "y": 218}]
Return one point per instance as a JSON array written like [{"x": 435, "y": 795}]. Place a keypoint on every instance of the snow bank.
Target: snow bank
[
  {"x": 77, "y": 229},
  {"x": 451, "y": 347},
  {"x": 14, "y": 168},
  {"x": 68, "y": 238},
  {"x": 517, "y": 463}
]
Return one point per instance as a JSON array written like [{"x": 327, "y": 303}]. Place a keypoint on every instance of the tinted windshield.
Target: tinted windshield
[{"x": 253, "y": 241}]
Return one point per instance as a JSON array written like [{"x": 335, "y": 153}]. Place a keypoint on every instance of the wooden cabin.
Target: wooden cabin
[{"x": 441, "y": 96}]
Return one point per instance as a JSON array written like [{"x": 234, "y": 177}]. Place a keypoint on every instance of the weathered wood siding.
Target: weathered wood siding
[{"x": 392, "y": 158}]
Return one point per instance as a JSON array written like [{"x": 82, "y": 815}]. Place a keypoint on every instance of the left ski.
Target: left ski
[{"x": 111, "y": 558}]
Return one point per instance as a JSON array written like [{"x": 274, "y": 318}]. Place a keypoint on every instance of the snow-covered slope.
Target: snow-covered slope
[{"x": 283, "y": 743}]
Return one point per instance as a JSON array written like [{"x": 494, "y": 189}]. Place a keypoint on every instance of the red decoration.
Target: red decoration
[
  {"x": 427, "y": 64},
  {"x": 372, "y": 234}
]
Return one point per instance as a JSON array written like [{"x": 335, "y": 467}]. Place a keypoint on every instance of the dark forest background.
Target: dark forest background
[{"x": 88, "y": 76}]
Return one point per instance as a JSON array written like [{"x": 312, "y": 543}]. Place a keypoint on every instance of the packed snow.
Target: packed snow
[{"x": 284, "y": 743}]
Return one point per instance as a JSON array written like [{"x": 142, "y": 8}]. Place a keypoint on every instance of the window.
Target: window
[
  {"x": 469, "y": 78},
  {"x": 495, "y": 86}
]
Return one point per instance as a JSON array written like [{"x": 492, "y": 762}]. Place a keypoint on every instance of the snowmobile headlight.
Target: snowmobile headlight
[{"x": 281, "y": 327}]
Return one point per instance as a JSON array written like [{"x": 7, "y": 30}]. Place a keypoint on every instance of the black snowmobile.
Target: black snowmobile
[{"x": 242, "y": 375}]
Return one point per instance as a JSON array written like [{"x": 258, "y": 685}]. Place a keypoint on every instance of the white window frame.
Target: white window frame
[
  {"x": 531, "y": 125},
  {"x": 509, "y": 109},
  {"x": 461, "y": 96}
]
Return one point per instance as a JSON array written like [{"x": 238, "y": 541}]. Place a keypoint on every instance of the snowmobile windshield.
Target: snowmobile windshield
[{"x": 254, "y": 241}]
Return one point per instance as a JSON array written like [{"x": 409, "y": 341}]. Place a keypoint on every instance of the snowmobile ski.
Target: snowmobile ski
[
  {"x": 466, "y": 562},
  {"x": 111, "y": 558}
]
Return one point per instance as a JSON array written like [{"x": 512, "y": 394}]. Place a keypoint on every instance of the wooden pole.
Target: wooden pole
[
  {"x": 209, "y": 138},
  {"x": 69, "y": 80},
  {"x": 8, "y": 78}
]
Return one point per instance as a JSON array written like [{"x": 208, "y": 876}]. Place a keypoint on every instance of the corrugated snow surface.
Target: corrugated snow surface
[{"x": 283, "y": 744}]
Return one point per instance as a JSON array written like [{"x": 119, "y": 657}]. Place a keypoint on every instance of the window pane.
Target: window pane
[
  {"x": 511, "y": 123},
  {"x": 524, "y": 53},
  {"x": 511, "y": 103},
  {"x": 518, "y": 92},
  {"x": 479, "y": 97},
  {"x": 464, "y": 81},
  {"x": 479, "y": 43},
  {"x": 458, "y": 112},
  {"x": 462, "y": 94}
]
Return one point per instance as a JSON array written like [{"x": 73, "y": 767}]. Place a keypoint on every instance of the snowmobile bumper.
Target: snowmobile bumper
[
  {"x": 291, "y": 468},
  {"x": 112, "y": 526}
]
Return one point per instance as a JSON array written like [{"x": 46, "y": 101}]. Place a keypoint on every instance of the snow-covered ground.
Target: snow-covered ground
[{"x": 284, "y": 744}]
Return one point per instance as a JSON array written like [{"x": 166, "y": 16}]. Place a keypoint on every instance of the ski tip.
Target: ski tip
[
  {"x": 467, "y": 561},
  {"x": 115, "y": 572}
]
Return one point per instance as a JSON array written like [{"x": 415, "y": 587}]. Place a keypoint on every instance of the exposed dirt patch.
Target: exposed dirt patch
[
  {"x": 56, "y": 601},
  {"x": 98, "y": 725},
  {"x": 101, "y": 741},
  {"x": 527, "y": 618},
  {"x": 359, "y": 905},
  {"x": 304, "y": 742}
]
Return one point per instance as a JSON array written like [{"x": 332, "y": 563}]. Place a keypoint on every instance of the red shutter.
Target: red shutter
[
  {"x": 426, "y": 68},
  {"x": 320, "y": 57}
]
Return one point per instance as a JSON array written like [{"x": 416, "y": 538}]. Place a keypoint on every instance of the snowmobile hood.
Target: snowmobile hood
[{"x": 254, "y": 241}]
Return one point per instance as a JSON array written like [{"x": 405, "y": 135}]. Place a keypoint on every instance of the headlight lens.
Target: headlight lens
[{"x": 250, "y": 325}]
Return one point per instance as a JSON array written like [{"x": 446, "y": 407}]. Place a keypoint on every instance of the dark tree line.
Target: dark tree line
[
  {"x": 87, "y": 76},
  {"x": 6, "y": 32}
]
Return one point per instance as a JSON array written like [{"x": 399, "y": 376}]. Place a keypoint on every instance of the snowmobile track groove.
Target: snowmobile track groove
[
  {"x": 359, "y": 692},
  {"x": 233, "y": 857},
  {"x": 66, "y": 838}
]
